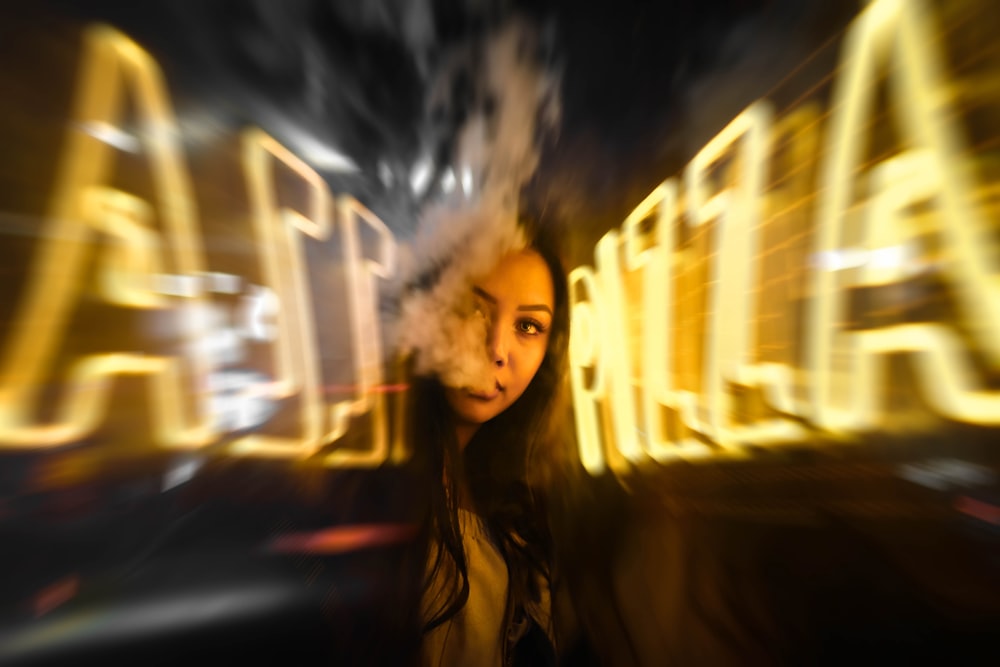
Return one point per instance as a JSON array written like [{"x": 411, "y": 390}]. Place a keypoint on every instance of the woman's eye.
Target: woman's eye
[{"x": 530, "y": 327}]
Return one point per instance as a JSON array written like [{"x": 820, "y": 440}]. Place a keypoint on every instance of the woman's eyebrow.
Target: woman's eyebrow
[
  {"x": 480, "y": 292},
  {"x": 537, "y": 306}
]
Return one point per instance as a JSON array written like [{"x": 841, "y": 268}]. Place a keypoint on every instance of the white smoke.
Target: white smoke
[
  {"x": 461, "y": 238},
  {"x": 438, "y": 322},
  {"x": 498, "y": 143}
]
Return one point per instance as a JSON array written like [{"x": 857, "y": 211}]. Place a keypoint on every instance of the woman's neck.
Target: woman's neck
[{"x": 465, "y": 433}]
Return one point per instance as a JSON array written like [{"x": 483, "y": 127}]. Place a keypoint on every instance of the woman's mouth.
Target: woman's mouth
[{"x": 485, "y": 395}]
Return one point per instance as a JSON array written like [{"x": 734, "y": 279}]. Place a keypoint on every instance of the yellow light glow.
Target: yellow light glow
[
  {"x": 362, "y": 294},
  {"x": 278, "y": 230},
  {"x": 895, "y": 34},
  {"x": 656, "y": 375},
  {"x": 616, "y": 350},
  {"x": 133, "y": 268},
  {"x": 586, "y": 342},
  {"x": 129, "y": 268},
  {"x": 727, "y": 201},
  {"x": 947, "y": 378},
  {"x": 731, "y": 330},
  {"x": 284, "y": 266},
  {"x": 657, "y": 264},
  {"x": 81, "y": 205}
]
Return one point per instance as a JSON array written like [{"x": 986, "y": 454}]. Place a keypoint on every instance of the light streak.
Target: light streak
[
  {"x": 56, "y": 594},
  {"x": 112, "y": 135},
  {"x": 342, "y": 539},
  {"x": 586, "y": 342},
  {"x": 277, "y": 231},
  {"x": 658, "y": 264},
  {"x": 297, "y": 369},
  {"x": 180, "y": 473},
  {"x": 978, "y": 509},
  {"x": 731, "y": 334},
  {"x": 367, "y": 346},
  {"x": 615, "y": 348},
  {"x": 420, "y": 175}
]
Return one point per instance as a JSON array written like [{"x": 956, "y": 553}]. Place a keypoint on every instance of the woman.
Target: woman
[{"x": 479, "y": 451}]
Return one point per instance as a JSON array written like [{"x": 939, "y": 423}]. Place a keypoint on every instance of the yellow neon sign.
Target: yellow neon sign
[
  {"x": 633, "y": 391},
  {"x": 81, "y": 205},
  {"x": 151, "y": 244},
  {"x": 585, "y": 344},
  {"x": 642, "y": 409},
  {"x": 362, "y": 299},
  {"x": 277, "y": 231},
  {"x": 896, "y": 30}
]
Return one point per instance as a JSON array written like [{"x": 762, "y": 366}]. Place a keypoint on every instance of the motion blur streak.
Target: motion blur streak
[
  {"x": 342, "y": 539},
  {"x": 125, "y": 622},
  {"x": 56, "y": 594},
  {"x": 979, "y": 509}
]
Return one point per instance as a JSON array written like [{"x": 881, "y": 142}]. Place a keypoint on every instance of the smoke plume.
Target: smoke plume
[{"x": 510, "y": 97}]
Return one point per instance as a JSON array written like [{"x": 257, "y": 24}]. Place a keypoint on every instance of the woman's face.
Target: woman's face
[{"x": 517, "y": 300}]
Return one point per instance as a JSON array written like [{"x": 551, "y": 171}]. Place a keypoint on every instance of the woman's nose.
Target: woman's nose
[{"x": 497, "y": 344}]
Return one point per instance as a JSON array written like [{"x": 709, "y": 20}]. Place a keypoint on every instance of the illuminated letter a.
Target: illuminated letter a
[{"x": 82, "y": 205}]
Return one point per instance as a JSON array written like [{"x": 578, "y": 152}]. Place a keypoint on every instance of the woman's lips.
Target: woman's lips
[{"x": 485, "y": 396}]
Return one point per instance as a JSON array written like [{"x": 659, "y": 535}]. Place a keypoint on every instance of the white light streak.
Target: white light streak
[
  {"x": 112, "y": 136},
  {"x": 420, "y": 176}
]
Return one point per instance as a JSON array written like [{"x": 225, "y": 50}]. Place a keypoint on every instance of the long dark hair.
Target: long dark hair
[{"x": 500, "y": 465}]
